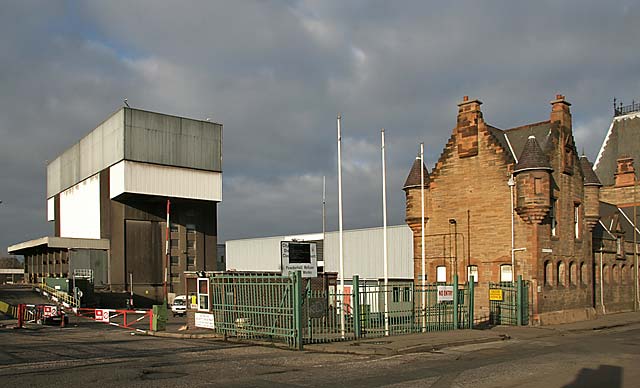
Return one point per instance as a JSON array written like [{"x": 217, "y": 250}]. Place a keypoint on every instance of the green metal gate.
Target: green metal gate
[
  {"x": 256, "y": 307},
  {"x": 509, "y": 303}
]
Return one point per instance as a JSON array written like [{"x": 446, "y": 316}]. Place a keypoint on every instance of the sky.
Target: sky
[{"x": 277, "y": 73}]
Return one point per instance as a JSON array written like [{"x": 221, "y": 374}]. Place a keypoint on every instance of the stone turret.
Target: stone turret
[
  {"x": 533, "y": 182},
  {"x": 591, "y": 193},
  {"x": 412, "y": 190}
]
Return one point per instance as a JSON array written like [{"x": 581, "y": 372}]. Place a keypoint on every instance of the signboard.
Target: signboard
[
  {"x": 299, "y": 256},
  {"x": 495, "y": 294},
  {"x": 50, "y": 311},
  {"x": 205, "y": 321},
  {"x": 445, "y": 294},
  {"x": 102, "y": 315}
]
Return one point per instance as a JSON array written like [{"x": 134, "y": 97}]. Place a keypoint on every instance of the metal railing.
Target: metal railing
[
  {"x": 58, "y": 296},
  {"x": 286, "y": 309},
  {"x": 621, "y": 110}
]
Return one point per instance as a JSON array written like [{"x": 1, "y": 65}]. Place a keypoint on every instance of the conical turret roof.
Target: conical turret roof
[
  {"x": 413, "y": 180},
  {"x": 532, "y": 157},
  {"x": 590, "y": 177}
]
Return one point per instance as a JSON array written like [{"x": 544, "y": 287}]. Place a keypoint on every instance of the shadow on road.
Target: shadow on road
[{"x": 605, "y": 376}]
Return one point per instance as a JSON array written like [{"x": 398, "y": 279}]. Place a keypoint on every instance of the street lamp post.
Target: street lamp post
[{"x": 452, "y": 221}]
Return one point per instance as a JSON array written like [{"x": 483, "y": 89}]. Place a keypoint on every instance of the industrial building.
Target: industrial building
[
  {"x": 363, "y": 253},
  {"x": 107, "y": 197}
]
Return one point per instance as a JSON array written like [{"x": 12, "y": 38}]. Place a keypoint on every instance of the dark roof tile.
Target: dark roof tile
[
  {"x": 532, "y": 157},
  {"x": 590, "y": 177},
  {"x": 413, "y": 180}
]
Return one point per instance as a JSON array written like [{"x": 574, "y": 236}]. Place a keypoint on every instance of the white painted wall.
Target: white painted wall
[
  {"x": 80, "y": 209},
  {"x": 51, "y": 209},
  {"x": 177, "y": 182}
]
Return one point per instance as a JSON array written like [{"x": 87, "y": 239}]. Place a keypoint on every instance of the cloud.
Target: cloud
[{"x": 276, "y": 74}]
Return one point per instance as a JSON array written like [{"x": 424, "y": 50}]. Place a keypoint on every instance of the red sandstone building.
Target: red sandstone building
[{"x": 469, "y": 212}]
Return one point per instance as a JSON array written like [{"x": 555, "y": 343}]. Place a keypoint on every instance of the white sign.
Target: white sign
[
  {"x": 102, "y": 315},
  {"x": 50, "y": 311},
  {"x": 299, "y": 256},
  {"x": 445, "y": 294},
  {"x": 205, "y": 320}
]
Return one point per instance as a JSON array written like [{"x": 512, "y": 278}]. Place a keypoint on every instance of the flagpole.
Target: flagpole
[
  {"x": 384, "y": 238},
  {"x": 342, "y": 330},
  {"x": 422, "y": 254}
]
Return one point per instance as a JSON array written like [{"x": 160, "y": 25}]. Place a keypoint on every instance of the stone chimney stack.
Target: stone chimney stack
[
  {"x": 466, "y": 132},
  {"x": 625, "y": 173},
  {"x": 560, "y": 111}
]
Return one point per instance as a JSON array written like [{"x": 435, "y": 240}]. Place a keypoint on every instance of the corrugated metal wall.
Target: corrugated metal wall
[
  {"x": 362, "y": 252},
  {"x": 257, "y": 254},
  {"x": 174, "y": 141},
  {"x": 138, "y": 136},
  {"x": 101, "y": 148},
  {"x": 174, "y": 182}
]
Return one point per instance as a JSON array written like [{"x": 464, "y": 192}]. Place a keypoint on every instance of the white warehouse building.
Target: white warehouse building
[{"x": 363, "y": 253}]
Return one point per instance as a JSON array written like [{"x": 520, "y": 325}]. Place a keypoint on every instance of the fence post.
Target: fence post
[
  {"x": 471, "y": 300},
  {"x": 20, "y": 315},
  {"x": 357, "y": 329},
  {"x": 455, "y": 301},
  {"x": 297, "y": 309},
  {"x": 519, "y": 302}
]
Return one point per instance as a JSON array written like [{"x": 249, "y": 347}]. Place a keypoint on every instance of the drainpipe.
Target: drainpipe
[
  {"x": 602, "y": 284},
  {"x": 511, "y": 184}
]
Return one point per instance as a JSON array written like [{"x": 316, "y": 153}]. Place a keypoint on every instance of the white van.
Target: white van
[{"x": 179, "y": 305}]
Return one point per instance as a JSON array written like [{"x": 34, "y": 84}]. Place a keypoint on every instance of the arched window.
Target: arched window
[
  {"x": 441, "y": 274},
  {"x": 616, "y": 274},
  {"x": 573, "y": 274},
  {"x": 548, "y": 273},
  {"x": 606, "y": 274},
  {"x": 623, "y": 274},
  {"x": 562, "y": 274},
  {"x": 584, "y": 276}
]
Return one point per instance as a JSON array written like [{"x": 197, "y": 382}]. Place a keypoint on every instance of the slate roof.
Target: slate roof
[
  {"x": 413, "y": 180},
  {"x": 590, "y": 177},
  {"x": 532, "y": 157},
  {"x": 622, "y": 140},
  {"x": 613, "y": 218},
  {"x": 518, "y": 136}
]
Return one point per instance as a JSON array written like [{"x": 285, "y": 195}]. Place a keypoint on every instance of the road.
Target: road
[{"x": 88, "y": 353}]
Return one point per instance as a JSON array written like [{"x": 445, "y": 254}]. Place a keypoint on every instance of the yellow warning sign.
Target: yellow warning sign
[{"x": 495, "y": 294}]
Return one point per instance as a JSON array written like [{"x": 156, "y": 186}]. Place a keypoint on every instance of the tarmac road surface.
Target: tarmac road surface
[{"x": 95, "y": 354}]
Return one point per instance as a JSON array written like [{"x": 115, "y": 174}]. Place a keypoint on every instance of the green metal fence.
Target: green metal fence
[
  {"x": 509, "y": 303},
  {"x": 411, "y": 309},
  {"x": 288, "y": 310}
]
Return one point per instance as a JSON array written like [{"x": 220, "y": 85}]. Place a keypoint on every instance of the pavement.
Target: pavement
[{"x": 434, "y": 341}]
